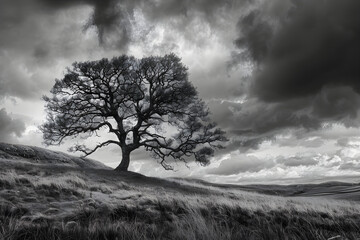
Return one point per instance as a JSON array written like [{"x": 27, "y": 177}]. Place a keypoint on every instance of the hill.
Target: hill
[
  {"x": 52, "y": 195},
  {"x": 12, "y": 154}
]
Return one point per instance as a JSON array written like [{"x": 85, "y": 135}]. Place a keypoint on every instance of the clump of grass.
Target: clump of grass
[
  {"x": 56, "y": 191},
  {"x": 71, "y": 180},
  {"x": 8, "y": 210},
  {"x": 101, "y": 188},
  {"x": 8, "y": 179}
]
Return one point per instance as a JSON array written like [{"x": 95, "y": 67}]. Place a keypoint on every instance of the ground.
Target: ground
[{"x": 51, "y": 195}]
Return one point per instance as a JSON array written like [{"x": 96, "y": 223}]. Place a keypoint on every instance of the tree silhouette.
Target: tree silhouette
[{"x": 145, "y": 102}]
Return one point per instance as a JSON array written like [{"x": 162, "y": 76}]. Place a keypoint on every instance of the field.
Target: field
[{"x": 50, "y": 195}]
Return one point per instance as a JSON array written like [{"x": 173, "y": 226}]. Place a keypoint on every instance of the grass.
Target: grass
[
  {"x": 177, "y": 220},
  {"x": 57, "y": 202}
]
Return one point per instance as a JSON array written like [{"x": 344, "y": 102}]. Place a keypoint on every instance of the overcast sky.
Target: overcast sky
[{"x": 282, "y": 78}]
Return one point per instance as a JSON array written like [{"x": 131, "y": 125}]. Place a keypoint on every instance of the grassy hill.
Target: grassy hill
[{"x": 51, "y": 195}]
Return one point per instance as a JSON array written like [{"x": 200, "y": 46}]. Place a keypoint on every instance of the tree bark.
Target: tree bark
[{"x": 124, "y": 164}]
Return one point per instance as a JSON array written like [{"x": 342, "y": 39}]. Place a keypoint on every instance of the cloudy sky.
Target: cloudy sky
[{"x": 282, "y": 78}]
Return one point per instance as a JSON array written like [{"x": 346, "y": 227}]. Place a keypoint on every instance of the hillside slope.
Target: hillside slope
[
  {"x": 51, "y": 195},
  {"x": 17, "y": 154}
]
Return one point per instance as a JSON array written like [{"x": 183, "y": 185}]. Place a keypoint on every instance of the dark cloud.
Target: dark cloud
[
  {"x": 315, "y": 45},
  {"x": 251, "y": 122},
  {"x": 10, "y": 127},
  {"x": 256, "y": 33},
  {"x": 336, "y": 103},
  {"x": 306, "y": 57}
]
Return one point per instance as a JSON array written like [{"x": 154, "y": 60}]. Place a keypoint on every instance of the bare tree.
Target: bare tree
[{"x": 145, "y": 102}]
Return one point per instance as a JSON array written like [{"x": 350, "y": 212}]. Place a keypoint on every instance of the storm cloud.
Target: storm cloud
[
  {"x": 314, "y": 45},
  {"x": 306, "y": 65}
]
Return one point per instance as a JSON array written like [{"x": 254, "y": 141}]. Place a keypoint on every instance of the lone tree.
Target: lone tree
[{"x": 145, "y": 102}]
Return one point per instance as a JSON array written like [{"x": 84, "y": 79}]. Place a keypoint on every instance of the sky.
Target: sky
[{"x": 282, "y": 78}]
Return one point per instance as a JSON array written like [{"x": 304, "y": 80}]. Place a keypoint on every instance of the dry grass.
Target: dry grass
[
  {"x": 68, "y": 203},
  {"x": 178, "y": 220}
]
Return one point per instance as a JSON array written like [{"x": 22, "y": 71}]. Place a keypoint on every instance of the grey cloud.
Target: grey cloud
[
  {"x": 295, "y": 161},
  {"x": 350, "y": 166},
  {"x": 255, "y": 35},
  {"x": 138, "y": 154},
  {"x": 241, "y": 163},
  {"x": 33, "y": 45},
  {"x": 352, "y": 142},
  {"x": 342, "y": 142},
  {"x": 13, "y": 12},
  {"x": 306, "y": 56},
  {"x": 332, "y": 132},
  {"x": 316, "y": 45},
  {"x": 110, "y": 20},
  {"x": 308, "y": 143},
  {"x": 105, "y": 15},
  {"x": 30, "y": 32},
  {"x": 10, "y": 128},
  {"x": 306, "y": 164},
  {"x": 17, "y": 81},
  {"x": 265, "y": 118},
  {"x": 336, "y": 103},
  {"x": 251, "y": 122},
  {"x": 113, "y": 19},
  {"x": 255, "y": 121}
]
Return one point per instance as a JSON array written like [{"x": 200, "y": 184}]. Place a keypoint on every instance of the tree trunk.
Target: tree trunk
[{"x": 124, "y": 165}]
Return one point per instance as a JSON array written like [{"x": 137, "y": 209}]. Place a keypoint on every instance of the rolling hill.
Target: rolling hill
[{"x": 52, "y": 195}]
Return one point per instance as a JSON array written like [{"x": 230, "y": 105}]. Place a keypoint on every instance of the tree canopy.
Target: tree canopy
[{"x": 146, "y": 102}]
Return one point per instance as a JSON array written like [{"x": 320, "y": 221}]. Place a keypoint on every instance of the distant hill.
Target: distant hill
[{"x": 333, "y": 190}]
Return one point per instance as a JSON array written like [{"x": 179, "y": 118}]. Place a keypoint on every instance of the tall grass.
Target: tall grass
[
  {"x": 178, "y": 220},
  {"x": 43, "y": 205}
]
